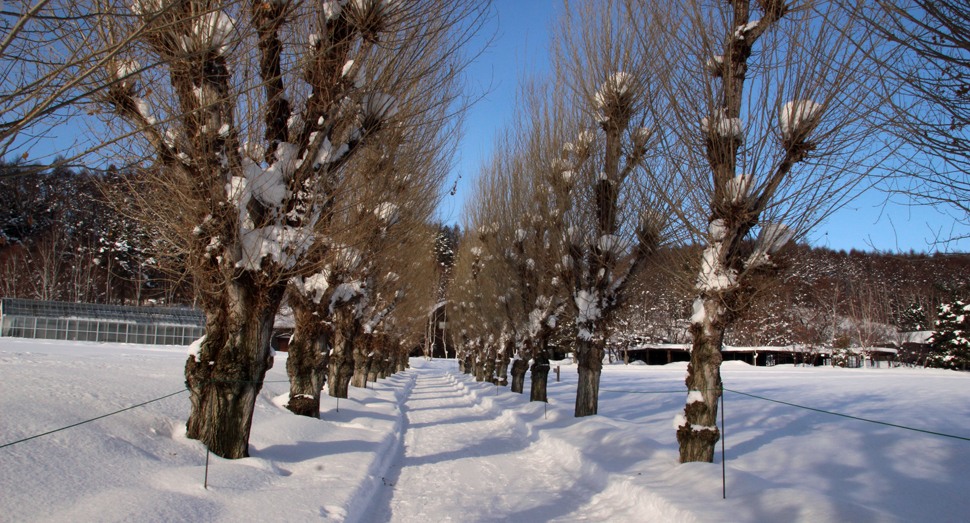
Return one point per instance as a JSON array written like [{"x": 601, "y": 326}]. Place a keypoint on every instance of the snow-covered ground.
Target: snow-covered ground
[{"x": 433, "y": 445}]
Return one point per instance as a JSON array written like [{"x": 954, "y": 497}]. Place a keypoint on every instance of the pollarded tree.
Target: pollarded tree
[
  {"x": 259, "y": 107},
  {"x": 606, "y": 227},
  {"x": 384, "y": 198},
  {"x": 766, "y": 106}
]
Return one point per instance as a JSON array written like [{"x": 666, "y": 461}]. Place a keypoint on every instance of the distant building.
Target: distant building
[{"x": 52, "y": 320}]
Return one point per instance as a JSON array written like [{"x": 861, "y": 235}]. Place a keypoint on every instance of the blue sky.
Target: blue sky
[
  {"x": 520, "y": 45},
  {"x": 519, "y": 33}
]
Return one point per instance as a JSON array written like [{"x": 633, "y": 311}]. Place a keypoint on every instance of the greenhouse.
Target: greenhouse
[{"x": 102, "y": 323}]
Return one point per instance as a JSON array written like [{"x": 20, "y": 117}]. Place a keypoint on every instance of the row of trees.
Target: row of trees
[
  {"x": 269, "y": 150},
  {"x": 678, "y": 146}
]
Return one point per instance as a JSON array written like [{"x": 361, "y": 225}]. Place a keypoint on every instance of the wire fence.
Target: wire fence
[
  {"x": 747, "y": 394},
  {"x": 142, "y": 404},
  {"x": 813, "y": 409}
]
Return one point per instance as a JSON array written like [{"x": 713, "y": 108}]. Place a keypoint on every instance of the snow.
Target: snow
[
  {"x": 387, "y": 212},
  {"x": 281, "y": 243},
  {"x": 739, "y": 188},
  {"x": 700, "y": 313},
  {"x": 126, "y": 70},
  {"x": 722, "y": 125},
  {"x": 612, "y": 244},
  {"x": 613, "y": 91},
  {"x": 742, "y": 30},
  {"x": 718, "y": 230},
  {"x": 774, "y": 236},
  {"x": 345, "y": 292},
  {"x": 715, "y": 64},
  {"x": 799, "y": 115},
  {"x": 430, "y": 444},
  {"x": 331, "y": 9},
  {"x": 328, "y": 153},
  {"x": 695, "y": 396},
  {"x": 214, "y": 31},
  {"x": 142, "y": 107},
  {"x": 195, "y": 348},
  {"x": 314, "y": 286},
  {"x": 379, "y": 106},
  {"x": 142, "y": 7},
  {"x": 520, "y": 235},
  {"x": 587, "y": 306},
  {"x": 714, "y": 275}
]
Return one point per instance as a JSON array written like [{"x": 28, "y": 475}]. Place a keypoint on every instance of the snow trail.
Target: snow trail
[{"x": 461, "y": 461}]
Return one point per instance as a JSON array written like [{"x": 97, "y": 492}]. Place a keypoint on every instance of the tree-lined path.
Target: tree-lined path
[{"x": 460, "y": 461}]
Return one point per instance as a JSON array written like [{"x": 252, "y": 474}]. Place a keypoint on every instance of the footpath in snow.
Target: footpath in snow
[{"x": 431, "y": 444}]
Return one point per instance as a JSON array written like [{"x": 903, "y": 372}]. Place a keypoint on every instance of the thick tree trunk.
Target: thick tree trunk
[
  {"x": 363, "y": 354},
  {"x": 502, "y": 371},
  {"x": 519, "y": 366},
  {"x": 306, "y": 361},
  {"x": 590, "y": 359},
  {"x": 342, "y": 359},
  {"x": 539, "y": 373},
  {"x": 489, "y": 371},
  {"x": 228, "y": 373},
  {"x": 698, "y": 434},
  {"x": 402, "y": 361},
  {"x": 469, "y": 365},
  {"x": 479, "y": 367},
  {"x": 375, "y": 365}
]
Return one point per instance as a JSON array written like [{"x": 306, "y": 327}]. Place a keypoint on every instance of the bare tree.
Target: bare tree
[
  {"x": 259, "y": 108},
  {"x": 927, "y": 65},
  {"x": 608, "y": 228},
  {"x": 767, "y": 105}
]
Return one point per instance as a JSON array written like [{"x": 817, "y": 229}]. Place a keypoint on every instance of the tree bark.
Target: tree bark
[
  {"x": 342, "y": 359},
  {"x": 519, "y": 366},
  {"x": 232, "y": 363},
  {"x": 503, "y": 366},
  {"x": 362, "y": 360},
  {"x": 590, "y": 359},
  {"x": 699, "y": 434},
  {"x": 306, "y": 361},
  {"x": 479, "y": 367},
  {"x": 540, "y": 375},
  {"x": 489, "y": 371},
  {"x": 375, "y": 365}
]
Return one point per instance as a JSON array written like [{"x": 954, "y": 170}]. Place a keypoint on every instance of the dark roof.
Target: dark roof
[{"x": 91, "y": 311}]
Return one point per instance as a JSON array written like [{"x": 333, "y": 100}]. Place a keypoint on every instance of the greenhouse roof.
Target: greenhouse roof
[{"x": 91, "y": 311}]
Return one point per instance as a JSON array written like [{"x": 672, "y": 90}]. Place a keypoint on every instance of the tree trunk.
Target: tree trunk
[
  {"x": 489, "y": 371},
  {"x": 402, "y": 361},
  {"x": 469, "y": 365},
  {"x": 503, "y": 365},
  {"x": 699, "y": 434},
  {"x": 342, "y": 359},
  {"x": 363, "y": 353},
  {"x": 519, "y": 366},
  {"x": 479, "y": 368},
  {"x": 590, "y": 359},
  {"x": 232, "y": 362},
  {"x": 375, "y": 365},
  {"x": 306, "y": 360},
  {"x": 540, "y": 374}
]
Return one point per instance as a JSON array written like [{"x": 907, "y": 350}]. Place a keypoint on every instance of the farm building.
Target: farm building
[{"x": 53, "y": 320}]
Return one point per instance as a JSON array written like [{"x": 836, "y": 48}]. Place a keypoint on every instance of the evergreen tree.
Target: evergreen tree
[{"x": 950, "y": 347}]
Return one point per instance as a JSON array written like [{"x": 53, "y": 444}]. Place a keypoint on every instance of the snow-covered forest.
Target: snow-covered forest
[{"x": 279, "y": 166}]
